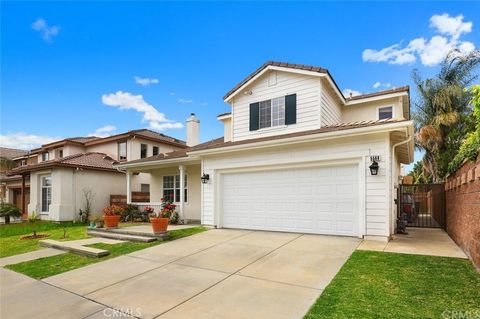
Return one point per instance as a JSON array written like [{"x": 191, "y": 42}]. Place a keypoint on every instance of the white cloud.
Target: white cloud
[
  {"x": 347, "y": 92},
  {"x": 103, "y": 131},
  {"x": 185, "y": 101},
  {"x": 25, "y": 141},
  {"x": 47, "y": 32},
  {"x": 430, "y": 51},
  {"x": 172, "y": 93},
  {"x": 377, "y": 85},
  {"x": 127, "y": 101},
  {"x": 145, "y": 81}
]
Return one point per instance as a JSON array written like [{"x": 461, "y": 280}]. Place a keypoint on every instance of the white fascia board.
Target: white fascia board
[
  {"x": 224, "y": 117},
  {"x": 159, "y": 163},
  {"x": 376, "y": 98},
  {"x": 290, "y": 70},
  {"x": 307, "y": 138}
]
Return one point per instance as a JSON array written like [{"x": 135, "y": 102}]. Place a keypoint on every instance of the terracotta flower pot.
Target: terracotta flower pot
[
  {"x": 111, "y": 221},
  {"x": 159, "y": 224}
]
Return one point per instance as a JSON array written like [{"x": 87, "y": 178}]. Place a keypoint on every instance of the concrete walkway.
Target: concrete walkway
[
  {"x": 419, "y": 241},
  {"x": 216, "y": 274},
  {"x": 41, "y": 253}
]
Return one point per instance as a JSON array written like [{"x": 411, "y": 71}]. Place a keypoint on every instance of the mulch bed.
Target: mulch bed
[{"x": 34, "y": 236}]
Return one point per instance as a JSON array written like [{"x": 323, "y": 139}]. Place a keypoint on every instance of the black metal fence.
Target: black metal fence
[{"x": 422, "y": 205}]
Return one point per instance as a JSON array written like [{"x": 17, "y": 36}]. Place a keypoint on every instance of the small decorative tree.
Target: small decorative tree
[{"x": 32, "y": 219}]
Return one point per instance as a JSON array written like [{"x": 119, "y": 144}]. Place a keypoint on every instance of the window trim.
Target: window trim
[
  {"x": 42, "y": 187},
  {"x": 118, "y": 151},
  {"x": 271, "y": 113},
  {"x": 385, "y": 106},
  {"x": 45, "y": 156},
  {"x": 153, "y": 150},
  {"x": 174, "y": 187},
  {"x": 141, "y": 150}
]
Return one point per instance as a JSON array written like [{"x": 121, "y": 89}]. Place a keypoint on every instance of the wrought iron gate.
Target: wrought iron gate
[{"x": 422, "y": 205}]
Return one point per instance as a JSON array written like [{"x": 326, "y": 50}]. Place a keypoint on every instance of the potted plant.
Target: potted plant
[
  {"x": 161, "y": 219},
  {"x": 111, "y": 216}
]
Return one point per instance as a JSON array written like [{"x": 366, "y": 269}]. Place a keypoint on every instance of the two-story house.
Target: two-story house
[
  {"x": 296, "y": 156},
  {"x": 53, "y": 179}
]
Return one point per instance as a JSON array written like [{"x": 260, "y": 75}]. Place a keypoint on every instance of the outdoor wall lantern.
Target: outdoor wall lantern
[
  {"x": 374, "y": 168},
  {"x": 205, "y": 178}
]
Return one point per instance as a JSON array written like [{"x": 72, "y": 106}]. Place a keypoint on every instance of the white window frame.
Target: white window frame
[
  {"x": 281, "y": 100},
  {"x": 146, "y": 150},
  {"x": 175, "y": 187},
  {"x": 126, "y": 151},
  {"x": 49, "y": 193},
  {"x": 45, "y": 156},
  {"x": 383, "y": 107}
]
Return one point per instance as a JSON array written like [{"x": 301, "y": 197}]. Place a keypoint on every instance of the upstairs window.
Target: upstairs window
[
  {"x": 143, "y": 150},
  {"x": 385, "y": 112},
  {"x": 275, "y": 112},
  {"x": 122, "y": 151},
  {"x": 59, "y": 153},
  {"x": 45, "y": 156},
  {"x": 272, "y": 112},
  {"x": 155, "y": 150}
]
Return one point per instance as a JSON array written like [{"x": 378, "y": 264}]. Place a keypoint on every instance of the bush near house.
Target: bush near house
[{"x": 8, "y": 211}]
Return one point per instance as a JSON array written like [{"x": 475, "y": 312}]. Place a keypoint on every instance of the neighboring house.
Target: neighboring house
[
  {"x": 58, "y": 174},
  {"x": 295, "y": 157},
  {"x": 11, "y": 158}
]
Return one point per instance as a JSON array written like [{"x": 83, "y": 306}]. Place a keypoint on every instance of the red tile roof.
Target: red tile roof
[
  {"x": 91, "y": 160},
  {"x": 385, "y": 92}
]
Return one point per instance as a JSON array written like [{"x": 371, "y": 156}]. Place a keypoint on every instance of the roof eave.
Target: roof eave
[
  {"x": 385, "y": 127},
  {"x": 159, "y": 162}
]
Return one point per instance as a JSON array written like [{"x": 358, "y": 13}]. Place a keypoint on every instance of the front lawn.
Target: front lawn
[
  {"x": 387, "y": 285},
  {"x": 12, "y": 244},
  {"x": 49, "y": 266}
]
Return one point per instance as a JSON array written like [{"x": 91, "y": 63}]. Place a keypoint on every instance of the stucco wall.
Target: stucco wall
[
  {"x": 67, "y": 191},
  {"x": 376, "y": 206},
  {"x": 369, "y": 111}
]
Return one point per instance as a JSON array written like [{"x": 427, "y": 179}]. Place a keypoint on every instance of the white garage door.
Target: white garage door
[{"x": 321, "y": 200}]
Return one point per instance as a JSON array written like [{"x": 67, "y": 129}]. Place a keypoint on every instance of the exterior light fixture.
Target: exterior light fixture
[
  {"x": 374, "y": 168},
  {"x": 205, "y": 178}
]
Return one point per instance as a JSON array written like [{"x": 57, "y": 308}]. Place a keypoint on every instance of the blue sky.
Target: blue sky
[{"x": 68, "y": 69}]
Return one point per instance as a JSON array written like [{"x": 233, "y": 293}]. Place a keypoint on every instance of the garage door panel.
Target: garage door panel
[{"x": 320, "y": 200}]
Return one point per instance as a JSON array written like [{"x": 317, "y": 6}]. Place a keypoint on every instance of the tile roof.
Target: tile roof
[
  {"x": 91, "y": 160},
  {"x": 279, "y": 64},
  {"x": 218, "y": 143},
  {"x": 11, "y": 152},
  {"x": 178, "y": 153},
  {"x": 390, "y": 91}
]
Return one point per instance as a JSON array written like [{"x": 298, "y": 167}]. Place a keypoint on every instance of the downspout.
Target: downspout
[{"x": 391, "y": 163}]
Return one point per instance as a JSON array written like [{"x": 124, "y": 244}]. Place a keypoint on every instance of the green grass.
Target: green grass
[
  {"x": 386, "y": 285},
  {"x": 13, "y": 245},
  {"x": 49, "y": 266},
  {"x": 27, "y": 228}
]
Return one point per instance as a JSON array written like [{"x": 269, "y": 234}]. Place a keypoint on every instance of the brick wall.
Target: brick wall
[{"x": 462, "y": 191}]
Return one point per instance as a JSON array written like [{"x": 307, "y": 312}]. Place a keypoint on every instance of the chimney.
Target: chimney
[{"x": 193, "y": 130}]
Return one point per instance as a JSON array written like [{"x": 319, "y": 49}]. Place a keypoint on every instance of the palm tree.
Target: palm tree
[{"x": 442, "y": 112}]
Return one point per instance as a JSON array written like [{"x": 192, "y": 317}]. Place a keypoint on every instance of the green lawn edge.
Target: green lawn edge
[
  {"x": 54, "y": 265},
  {"x": 388, "y": 285}
]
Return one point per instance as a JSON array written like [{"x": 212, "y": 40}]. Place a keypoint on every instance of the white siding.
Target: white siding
[
  {"x": 377, "y": 196},
  {"x": 307, "y": 89},
  {"x": 331, "y": 111}
]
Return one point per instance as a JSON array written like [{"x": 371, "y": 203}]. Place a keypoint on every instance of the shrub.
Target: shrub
[
  {"x": 9, "y": 210},
  {"x": 168, "y": 211},
  {"x": 131, "y": 213}
]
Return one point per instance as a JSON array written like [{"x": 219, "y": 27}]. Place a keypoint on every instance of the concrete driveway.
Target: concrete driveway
[{"x": 216, "y": 274}]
